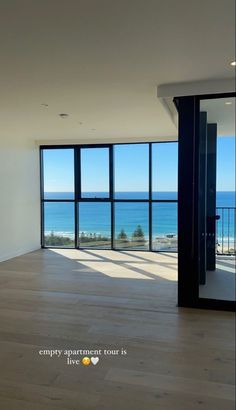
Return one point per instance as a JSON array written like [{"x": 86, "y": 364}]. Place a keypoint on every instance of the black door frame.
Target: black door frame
[{"x": 188, "y": 204}]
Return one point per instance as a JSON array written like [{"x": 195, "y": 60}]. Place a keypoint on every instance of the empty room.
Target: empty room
[{"x": 118, "y": 205}]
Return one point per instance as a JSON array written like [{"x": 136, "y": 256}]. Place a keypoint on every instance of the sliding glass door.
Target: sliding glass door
[
  {"x": 207, "y": 201},
  {"x": 217, "y": 205}
]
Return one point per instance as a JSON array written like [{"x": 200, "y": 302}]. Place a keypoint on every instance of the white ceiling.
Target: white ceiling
[
  {"x": 102, "y": 60},
  {"x": 221, "y": 111}
]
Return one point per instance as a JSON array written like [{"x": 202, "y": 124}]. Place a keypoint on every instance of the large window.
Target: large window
[
  {"x": 94, "y": 225},
  {"x": 164, "y": 171},
  {"x": 59, "y": 224},
  {"x": 131, "y": 163},
  {"x": 58, "y": 172},
  {"x": 164, "y": 226},
  {"x": 94, "y": 169},
  {"x": 121, "y": 196},
  {"x": 131, "y": 225}
]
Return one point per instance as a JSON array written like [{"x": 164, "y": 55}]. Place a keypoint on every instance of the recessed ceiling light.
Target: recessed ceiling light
[
  {"x": 233, "y": 63},
  {"x": 228, "y": 103},
  {"x": 63, "y": 115}
]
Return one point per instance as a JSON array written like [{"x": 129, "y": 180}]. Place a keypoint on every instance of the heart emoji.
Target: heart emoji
[{"x": 94, "y": 360}]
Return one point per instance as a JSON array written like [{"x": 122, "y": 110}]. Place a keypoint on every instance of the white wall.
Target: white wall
[{"x": 19, "y": 197}]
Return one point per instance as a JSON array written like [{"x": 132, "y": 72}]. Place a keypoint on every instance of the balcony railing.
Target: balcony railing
[{"x": 226, "y": 230}]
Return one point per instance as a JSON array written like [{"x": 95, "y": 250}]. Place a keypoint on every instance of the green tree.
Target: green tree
[
  {"x": 56, "y": 240},
  {"x": 82, "y": 237},
  {"x": 138, "y": 235},
  {"x": 122, "y": 235}
]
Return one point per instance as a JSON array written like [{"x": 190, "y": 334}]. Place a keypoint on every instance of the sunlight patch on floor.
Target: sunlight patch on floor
[
  {"x": 160, "y": 271},
  {"x": 75, "y": 254},
  {"x": 126, "y": 264},
  {"x": 115, "y": 271}
]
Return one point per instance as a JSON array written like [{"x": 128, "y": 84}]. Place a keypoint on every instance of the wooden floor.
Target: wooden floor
[{"x": 178, "y": 359}]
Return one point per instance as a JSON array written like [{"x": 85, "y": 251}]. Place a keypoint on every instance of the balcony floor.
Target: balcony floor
[
  {"x": 68, "y": 299},
  {"x": 220, "y": 284}
]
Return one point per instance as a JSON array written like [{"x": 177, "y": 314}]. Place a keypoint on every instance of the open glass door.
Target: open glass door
[
  {"x": 216, "y": 196},
  {"x": 206, "y": 201}
]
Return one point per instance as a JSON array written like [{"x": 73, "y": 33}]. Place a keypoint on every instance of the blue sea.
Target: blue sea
[{"x": 95, "y": 217}]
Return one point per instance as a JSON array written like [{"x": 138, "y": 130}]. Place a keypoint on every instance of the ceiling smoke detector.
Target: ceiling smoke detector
[{"x": 63, "y": 115}]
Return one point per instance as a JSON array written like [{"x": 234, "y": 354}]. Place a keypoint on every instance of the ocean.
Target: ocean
[{"x": 95, "y": 217}]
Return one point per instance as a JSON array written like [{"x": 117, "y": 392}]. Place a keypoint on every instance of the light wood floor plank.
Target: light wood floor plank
[{"x": 67, "y": 299}]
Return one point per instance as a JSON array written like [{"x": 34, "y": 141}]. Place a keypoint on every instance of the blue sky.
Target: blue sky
[
  {"x": 58, "y": 170},
  {"x": 131, "y": 168},
  {"x": 226, "y": 164}
]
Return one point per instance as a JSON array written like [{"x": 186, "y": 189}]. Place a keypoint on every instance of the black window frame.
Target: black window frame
[{"x": 111, "y": 199}]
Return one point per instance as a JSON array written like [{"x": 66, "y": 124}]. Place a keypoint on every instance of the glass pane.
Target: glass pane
[
  {"x": 218, "y": 211},
  {"x": 225, "y": 195},
  {"x": 165, "y": 170},
  {"x": 95, "y": 173},
  {"x": 164, "y": 226},
  {"x": 59, "y": 224},
  {"x": 131, "y": 171},
  {"x": 131, "y": 225},
  {"x": 58, "y": 173},
  {"x": 95, "y": 224}
]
